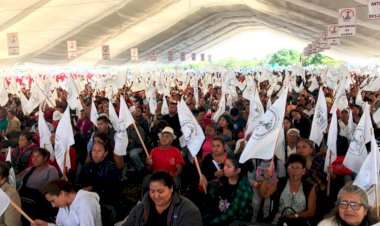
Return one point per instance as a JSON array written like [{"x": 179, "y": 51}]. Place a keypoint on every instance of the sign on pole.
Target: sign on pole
[
  {"x": 153, "y": 55},
  {"x": 373, "y": 9},
  {"x": 202, "y": 57},
  {"x": 170, "y": 55},
  {"x": 182, "y": 56},
  {"x": 134, "y": 54},
  {"x": 106, "y": 52},
  {"x": 193, "y": 56},
  {"x": 209, "y": 57},
  {"x": 347, "y": 22},
  {"x": 13, "y": 44},
  {"x": 72, "y": 49}
]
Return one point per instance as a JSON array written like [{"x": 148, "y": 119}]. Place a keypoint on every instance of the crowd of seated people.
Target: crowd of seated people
[{"x": 290, "y": 189}]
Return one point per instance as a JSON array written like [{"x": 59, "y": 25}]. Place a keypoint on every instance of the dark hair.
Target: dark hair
[
  {"x": 103, "y": 118},
  {"x": 164, "y": 177},
  {"x": 56, "y": 186},
  {"x": 107, "y": 144},
  {"x": 45, "y": 153},
  {"x": 28, "y": 136},
  {"x": 4, "y": 169},
  {"x": 294, "y": 158},
  {"x": 229, "y": 121},
  {"x": 244, "y": 167},
  {"x": 201, "y": 109},
  {"x": 220, "y": 140}
]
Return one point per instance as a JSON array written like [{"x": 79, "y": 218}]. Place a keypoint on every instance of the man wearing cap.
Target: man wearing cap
[
  {"x": 343, "y": 124},
  {"x": 292, "y": 137},
  {"x": 166, "y": 157}
]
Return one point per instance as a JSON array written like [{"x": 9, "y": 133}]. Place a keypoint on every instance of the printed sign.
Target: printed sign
[
  {"x": 170, "y": 55},
  {"x": 347, "y": 22},
  {"x": 106, "y": 52},
  {"x": 13, "y": 44},
  {"x": 202, "y": 57},
  {"x": 134, "y": 54},
  {"x": 182, "y": 56},
  {"x": 373, "y": 9},
  {"x": 153, "y": 55},
  {"x": 193, "y": 56},
  {"x": 72, "y": 49}
]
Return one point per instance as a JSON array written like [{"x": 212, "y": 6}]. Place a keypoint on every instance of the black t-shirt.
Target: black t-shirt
[{"x": 156, "y": 218}]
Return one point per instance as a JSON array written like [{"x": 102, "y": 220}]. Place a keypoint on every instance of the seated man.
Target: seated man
[{"x": 166, "y": 157}]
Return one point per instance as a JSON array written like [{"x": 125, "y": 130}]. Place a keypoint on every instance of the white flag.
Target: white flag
[
  {"x": 64, "y": 138},
  {"x": 373, "y": 86},
  {"x": 319, "y": 124},
  {"x": 24, "y": 103},
  {"x": 4, "y": 201},
  {"x": 192, "y": 132},
  {"x": 357, "y": 151},
  {"x": 44, "y": 133},
  {"x": 340, "y": 101},
  {"x": 331, "y": 141},
  {"x": 221, "y": 108},
  {"x": 12, "y": 175},
  {"x": 376, "y": 116},
  {"x": 94, "y": 113},
  {"x": 351, "y": 126},
  {"x": 256, "y": 110},
  {"x": 262, "y": 143},
  {"x": 3, "y": 93},
  {"x": 120, "y": 124},
  {"x": 279, "y": 151},
  {"x": 368, "y": 175},
  {"x": 165, "y": 107},
  {"x": 151, "y": 96},
  {"x": 72, "y": 93},
  {"x": 359, "y": 99}
]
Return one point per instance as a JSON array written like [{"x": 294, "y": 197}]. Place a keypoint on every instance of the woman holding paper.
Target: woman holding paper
[
  {"x": 10, "y": 217},
  {"x": 212, "y": 164}
]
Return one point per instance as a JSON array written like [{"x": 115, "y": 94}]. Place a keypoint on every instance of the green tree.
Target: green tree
[
  {"x": 317, "y": 59},
  {"x": 284, "y": 57}
]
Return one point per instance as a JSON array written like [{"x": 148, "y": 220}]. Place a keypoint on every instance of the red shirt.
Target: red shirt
[{"x": 166, "y": 160}]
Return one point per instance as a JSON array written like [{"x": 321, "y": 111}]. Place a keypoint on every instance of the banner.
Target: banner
[
  {"x": 106, "y": 52},
  {"x": 373, "y": 9},
  {"x": 134, "y": 54},
  {"x": 347, "y": 22},
  {"x": 209, "y": 58},
  {"x": 13, "y": 44},
  {"x": 202, "y": 57},
  {"x": 72, "y": 49}
]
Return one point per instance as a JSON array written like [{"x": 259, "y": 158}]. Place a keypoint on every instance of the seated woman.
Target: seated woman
[
  {"x": 231, "y": 196},
  {"x": 162, "y": 205},
  {"x": 210, "y": 133},
  {"x": 294, "y": 199},
  {"x": 225, "y": 131},
  {"x": 35, "y": 180},
  {"x": 21, "y": 155},
  {"x": 10, "y": 216},
  {"x": 352, "y": 209},
  {"x": 212, "y": 164},
  {"x": 75, "y": 208},
  {"x": 100, "y": 175}
]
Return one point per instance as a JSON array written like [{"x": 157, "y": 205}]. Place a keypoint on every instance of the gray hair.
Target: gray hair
[{"x": 353, "y": 189}]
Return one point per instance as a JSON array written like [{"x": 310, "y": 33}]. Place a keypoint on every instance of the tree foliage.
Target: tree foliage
[{"x": 285, "y": 57}]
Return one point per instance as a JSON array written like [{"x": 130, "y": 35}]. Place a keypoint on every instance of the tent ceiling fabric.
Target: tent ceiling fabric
[{"x": 45, "y": 26}]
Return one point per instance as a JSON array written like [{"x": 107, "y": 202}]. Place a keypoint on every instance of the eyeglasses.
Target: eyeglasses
[{"x": 354, "y": 205}]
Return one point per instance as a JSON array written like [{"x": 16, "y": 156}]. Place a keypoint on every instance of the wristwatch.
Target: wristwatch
[{"x": 296, "y": 215}]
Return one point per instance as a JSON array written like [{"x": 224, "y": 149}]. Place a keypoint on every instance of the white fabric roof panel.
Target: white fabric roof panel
[{"x": 45, "y": 26}]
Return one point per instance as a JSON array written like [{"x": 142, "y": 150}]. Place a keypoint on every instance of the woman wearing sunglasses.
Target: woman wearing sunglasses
[{"x": 352, "y": 209}]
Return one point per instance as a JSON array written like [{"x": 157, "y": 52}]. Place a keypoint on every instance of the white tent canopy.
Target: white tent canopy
[{"x": 45, "y": 26}]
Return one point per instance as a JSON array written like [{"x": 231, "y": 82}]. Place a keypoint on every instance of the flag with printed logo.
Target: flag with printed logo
[
  {"x": 319, "y": 124},
  {"x": 262, "y": 143},
  {"x": 192, "y": 133}
]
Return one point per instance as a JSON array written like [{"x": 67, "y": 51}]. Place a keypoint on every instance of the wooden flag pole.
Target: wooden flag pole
[
  {"x": 377, "y": 201},
  {"x": 141, "y": 140},
  {"x": 329, "y": 175},
  {"x": 199, "y": 172},
  {"x": 21, "y": 211}
]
